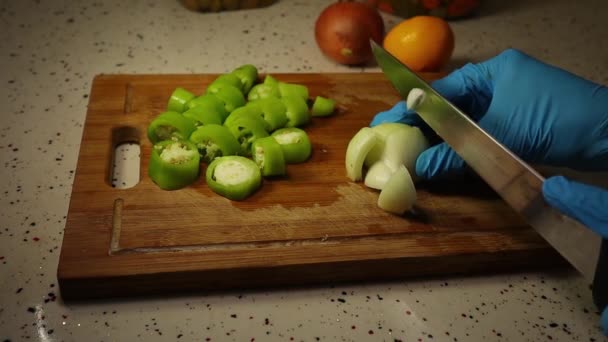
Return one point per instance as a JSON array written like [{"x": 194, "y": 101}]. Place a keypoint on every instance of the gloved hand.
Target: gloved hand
[{"x": 543, "y": 114}]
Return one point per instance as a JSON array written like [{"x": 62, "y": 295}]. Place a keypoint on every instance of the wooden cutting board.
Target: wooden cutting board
[{"x": 312, "y": 226}]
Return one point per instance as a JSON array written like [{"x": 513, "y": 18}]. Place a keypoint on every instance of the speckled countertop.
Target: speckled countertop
[{"x": 50, "y": 52}]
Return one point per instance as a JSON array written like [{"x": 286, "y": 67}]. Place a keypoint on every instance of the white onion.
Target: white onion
[
  {"x": 389, "y": 151},
  {"x": 377, "y": 175},
  {"x": 358, "y": 148},
  {"x": 399, "y": 193}
]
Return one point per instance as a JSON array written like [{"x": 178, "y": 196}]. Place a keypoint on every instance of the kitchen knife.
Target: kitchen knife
[{"x": 516, "y": 182}]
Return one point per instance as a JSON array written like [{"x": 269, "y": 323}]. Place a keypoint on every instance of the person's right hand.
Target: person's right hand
[{"x": 543, "y": 114}]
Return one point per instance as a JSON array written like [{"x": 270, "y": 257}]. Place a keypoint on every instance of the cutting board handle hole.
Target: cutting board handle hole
[{"x": 126, "y": 158}]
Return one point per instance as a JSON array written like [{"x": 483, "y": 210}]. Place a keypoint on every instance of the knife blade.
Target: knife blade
[{"x": 516, "y": 182}]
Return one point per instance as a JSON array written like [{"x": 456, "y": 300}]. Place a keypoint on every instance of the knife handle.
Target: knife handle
[{"x": 600, "y": 281}]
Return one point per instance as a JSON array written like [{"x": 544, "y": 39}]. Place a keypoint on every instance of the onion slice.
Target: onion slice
[
  {"x": 382, "y": 131},
  {"x": 399, "y": 193},
  {"x": 358, "y": 148},
  {"x": 377, "y": 175}
]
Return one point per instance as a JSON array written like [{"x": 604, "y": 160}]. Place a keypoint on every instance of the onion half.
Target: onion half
[
  {"x": 389, "y": 151},
  {"x": 399, "y": 193}
]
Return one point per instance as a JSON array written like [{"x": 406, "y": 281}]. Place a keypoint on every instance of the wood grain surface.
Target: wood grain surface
[{"x": 312, "y": 226}]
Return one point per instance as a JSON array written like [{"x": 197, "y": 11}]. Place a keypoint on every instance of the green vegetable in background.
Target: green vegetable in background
[
  {"x": 169, "y": 125},
  {"x": 179, "y": 98},
  {"x": 295, "y": 144},
  {"x": 174, "y": 164},
  {"x": 268, "y": 154},
  {"x": 214, "y": 141},
  {"x": 233, "y": 177},
  {"x": 323, "y": 106}
]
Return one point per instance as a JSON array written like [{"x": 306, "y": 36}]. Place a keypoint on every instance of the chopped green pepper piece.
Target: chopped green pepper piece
[
  {"x": 292, "y": 89},
  {"x": 214, "y": 141},
  {"x": 297, "y": 111},
  {"x": 252, "y": 112},
  {"x": 295, "y": 144},
  {"x": 231, "y": 96},
  {"x": 268, "y": 154},
  {"x": 273, "y": 111},
  {"x": 262, "y": 91},
  {"x": 174, "y": 164},
  {"x": 169, "y": 125},
  {"x": 179, "y": 98},
  {"x": 209, "y": 101},
  {"x": 323, "y": 106},
  {"x": 248, "y": 74},
  {"x": 230, "y": 79},
  {"x": 233, "y": 177},
  {"x": 203, "y": 116},
  {"x": 271, "y": 81},
  {"x": 246, "y": 131}
]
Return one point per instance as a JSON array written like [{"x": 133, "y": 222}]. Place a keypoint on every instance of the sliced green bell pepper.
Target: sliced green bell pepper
[
  {"x": 247, "y": 111},
  {"x": 179, "y": 98},
  {"x": 210, "y": 102},
  {"x": 268, "y": 88},
  {"x": 246, "y": 131},
  {"x": 323, "y": 106},
  {"x": 231, "y": 96},
  {"x": 271, "y": 81},
  {"x": 214, "y": 141},
  {"x": 268, "y": 154},
  {"x": 293, "y": 89},
  {"x": 233, "y": 177},
  {"x": 295, "y": 144},
  {"x": 273, "y": 111},
  {"x": 174, "y": 164},
  {"x": 248, "y": 74},
  {"x": 297, "y": 111},
  {"x": 203, "y": 116},
  {"x": 230, "y": 79},
  {"x": 169, "y": 125}
]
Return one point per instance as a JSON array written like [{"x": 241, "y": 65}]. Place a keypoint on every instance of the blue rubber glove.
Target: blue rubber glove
[{"x": 543, "y": 114}]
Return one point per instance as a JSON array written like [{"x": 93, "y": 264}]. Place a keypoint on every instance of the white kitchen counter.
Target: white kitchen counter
[{"x": 50, "y": 52}]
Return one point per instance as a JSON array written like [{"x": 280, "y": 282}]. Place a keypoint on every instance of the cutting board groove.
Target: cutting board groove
[{"x": 312, "y": 226}]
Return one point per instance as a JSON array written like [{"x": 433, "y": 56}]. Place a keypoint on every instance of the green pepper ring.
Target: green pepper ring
[
  {"x": 268, "y": 154},
  {"x": 295, "y": 144},
  {"x": 246, "y": 130},
  {"x": 170, "y": 125},
  {"x": 169, "y": 176},
  {"x": 210, "y": 138},
  {"x": 240, "y": 190}
]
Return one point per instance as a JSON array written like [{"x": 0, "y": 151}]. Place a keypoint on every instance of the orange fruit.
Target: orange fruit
[{"x": 423, "y": 43}]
